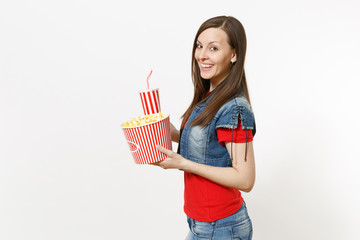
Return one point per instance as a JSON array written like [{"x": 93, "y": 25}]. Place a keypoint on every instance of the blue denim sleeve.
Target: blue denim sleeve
[{"x": 228, "y": 116}]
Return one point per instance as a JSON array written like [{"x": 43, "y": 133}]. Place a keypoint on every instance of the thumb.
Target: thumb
[{"x": 163, "y": 150}]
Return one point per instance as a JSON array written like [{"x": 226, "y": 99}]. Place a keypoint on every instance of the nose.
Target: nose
[{"x": 202, "y": 54}]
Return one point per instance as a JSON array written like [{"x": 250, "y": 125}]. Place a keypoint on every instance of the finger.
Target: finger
[
  {"x": 159, "y": 164},
  {"x": 164, "y": 150},
  {"x": 162, "y": 164}
]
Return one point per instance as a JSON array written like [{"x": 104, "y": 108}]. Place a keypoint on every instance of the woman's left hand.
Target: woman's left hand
[{"x": 173, "y": 160}]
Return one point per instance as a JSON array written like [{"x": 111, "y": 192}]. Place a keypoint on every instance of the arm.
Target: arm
[
  {"x": 174, "y": 133},
  {"x": 240, "y": 176}
]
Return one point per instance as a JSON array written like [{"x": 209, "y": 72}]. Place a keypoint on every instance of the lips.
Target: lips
[{"x": 205, "y": 66}]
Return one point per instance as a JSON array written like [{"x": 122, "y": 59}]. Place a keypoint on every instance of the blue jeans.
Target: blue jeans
[{"x": 237, "y": 226}]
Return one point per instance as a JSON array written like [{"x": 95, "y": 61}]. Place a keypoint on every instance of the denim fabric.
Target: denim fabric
[
  {"x": 237, "y": 226},
  {"x": 201, "y": 145}
]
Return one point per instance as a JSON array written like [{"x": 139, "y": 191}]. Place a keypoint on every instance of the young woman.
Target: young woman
[{"x": 215, "y": 140}]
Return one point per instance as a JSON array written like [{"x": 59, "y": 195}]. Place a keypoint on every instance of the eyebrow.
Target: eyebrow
[{"x": 209, "y": 42}]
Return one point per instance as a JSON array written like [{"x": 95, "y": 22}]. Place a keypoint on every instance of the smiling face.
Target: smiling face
[{"x": 214, "y": 55}]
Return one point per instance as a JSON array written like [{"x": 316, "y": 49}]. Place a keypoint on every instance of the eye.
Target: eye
[
  {"x": 213, "y": 48},
  {"x": 198, "y": 45}
]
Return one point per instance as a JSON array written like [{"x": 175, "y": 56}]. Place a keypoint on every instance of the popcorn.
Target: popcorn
[{"x": 142, "y": 120}]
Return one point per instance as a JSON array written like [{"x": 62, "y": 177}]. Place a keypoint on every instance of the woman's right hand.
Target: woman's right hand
[{"x": 174, "y": 133}]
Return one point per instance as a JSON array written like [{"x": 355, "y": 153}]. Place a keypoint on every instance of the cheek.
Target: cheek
[
  {"x": 226, "y": 63},
  {"x": 196, "y": 56}
]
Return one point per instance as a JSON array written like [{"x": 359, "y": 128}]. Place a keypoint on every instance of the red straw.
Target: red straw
[{"x": 147, "y": 79}]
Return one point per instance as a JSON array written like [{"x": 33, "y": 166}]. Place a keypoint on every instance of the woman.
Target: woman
[{"x": 215, "y": 139}]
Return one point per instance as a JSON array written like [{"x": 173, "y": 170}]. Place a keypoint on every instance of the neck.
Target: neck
[{"x": 214, "y": 84}]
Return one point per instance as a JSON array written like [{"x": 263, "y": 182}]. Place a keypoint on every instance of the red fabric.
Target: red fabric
[
  {"x": 207, "y": 201},
  {"x": 239, "y": 135}
]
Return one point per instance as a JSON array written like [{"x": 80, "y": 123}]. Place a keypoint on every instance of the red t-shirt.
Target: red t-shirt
[{"x": 207, "y": 201}]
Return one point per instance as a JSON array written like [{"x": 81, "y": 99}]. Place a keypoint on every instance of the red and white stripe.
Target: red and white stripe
[
  {"x": 150, "y": 101},
  {"x": 143, "y": 139}
]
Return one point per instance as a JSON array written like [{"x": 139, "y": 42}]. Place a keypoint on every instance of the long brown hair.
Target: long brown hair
[{"x": 234, "y": 83}]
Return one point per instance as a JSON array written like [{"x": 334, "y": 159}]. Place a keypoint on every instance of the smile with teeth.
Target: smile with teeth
[{"x": 206, "y": 65}]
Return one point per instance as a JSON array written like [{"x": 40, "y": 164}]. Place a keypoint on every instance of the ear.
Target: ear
[{"x": 233, "y": 57}]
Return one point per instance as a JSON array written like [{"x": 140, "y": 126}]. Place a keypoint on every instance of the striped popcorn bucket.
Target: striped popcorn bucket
[
  {"x": 150, "y": 101},
  {"x": 143, "y": 139}
]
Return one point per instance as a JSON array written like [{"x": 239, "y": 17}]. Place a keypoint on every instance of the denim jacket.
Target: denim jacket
[{"x": 200, "y": 144}]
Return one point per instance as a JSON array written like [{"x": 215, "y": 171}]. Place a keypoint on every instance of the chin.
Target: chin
[{"x": 205, "y": 76}]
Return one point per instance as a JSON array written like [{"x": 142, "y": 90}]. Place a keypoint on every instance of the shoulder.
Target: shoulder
[
  {"x": 237, "y": 108},
  {"x": 235, "y": 105}
]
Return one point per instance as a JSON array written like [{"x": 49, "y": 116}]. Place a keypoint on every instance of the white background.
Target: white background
[{"x": 70, "y": 72}]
